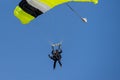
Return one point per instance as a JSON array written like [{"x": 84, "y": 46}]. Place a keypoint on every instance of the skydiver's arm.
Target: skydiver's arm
[
  {"x": 52, "y": 52},
  {"x": 52, "y": 47},
  {"x": 51, "y": 57},
  {"x": 59, "y": 47},
  {"x": 60, "y": 51}
]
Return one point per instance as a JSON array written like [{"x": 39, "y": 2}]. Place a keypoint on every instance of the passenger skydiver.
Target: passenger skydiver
[{"x": 56, "y": 55}]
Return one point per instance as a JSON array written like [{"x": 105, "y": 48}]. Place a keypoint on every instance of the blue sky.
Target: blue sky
[{"x": 91, "y": 51}]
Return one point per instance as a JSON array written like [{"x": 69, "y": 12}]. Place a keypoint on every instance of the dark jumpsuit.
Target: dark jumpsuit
[{"x": 56, "y": 56}]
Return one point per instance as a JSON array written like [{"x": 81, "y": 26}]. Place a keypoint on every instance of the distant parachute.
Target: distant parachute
[{"x": 27, "y": 10}]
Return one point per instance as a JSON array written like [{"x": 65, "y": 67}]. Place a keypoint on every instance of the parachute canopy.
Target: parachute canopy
[{"x": 27, "y": 10}]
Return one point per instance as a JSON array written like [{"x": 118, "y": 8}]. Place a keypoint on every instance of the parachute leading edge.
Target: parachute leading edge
[{"x": 27, "y": 10}]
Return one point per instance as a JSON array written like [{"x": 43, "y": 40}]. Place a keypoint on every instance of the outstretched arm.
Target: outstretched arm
[
  {"x": 52, "y": 52},
  {"x": 60, "y": 51},
  {"x": 51, "y": 57},
  {"x": 52, "y": 47},
  {"x": 59, "y": 48}
]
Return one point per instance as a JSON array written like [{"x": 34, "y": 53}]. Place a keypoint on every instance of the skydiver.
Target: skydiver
[{"x": 56, "y": 55}]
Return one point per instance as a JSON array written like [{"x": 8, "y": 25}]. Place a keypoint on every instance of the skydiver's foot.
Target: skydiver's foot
[
  {"x": 53, "y": 68},
  {"x": 54, "y": 65},
  {"x": 60, "y": 65}
]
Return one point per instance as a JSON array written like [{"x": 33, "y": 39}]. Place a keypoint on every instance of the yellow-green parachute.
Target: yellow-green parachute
[{"x": 27, "y": 10}]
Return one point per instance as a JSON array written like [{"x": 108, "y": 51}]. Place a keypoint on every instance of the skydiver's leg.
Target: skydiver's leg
[
  {"x": 60, "y": 63},
  {"x": 54, "y": 65}
]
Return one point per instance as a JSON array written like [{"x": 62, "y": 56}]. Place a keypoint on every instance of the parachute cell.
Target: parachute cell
[{"x": 27, "y": 10}]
